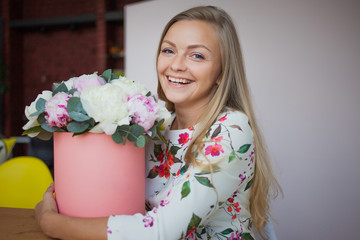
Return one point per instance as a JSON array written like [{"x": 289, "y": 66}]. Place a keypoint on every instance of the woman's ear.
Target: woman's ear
[{"x": 217, "y": 82}]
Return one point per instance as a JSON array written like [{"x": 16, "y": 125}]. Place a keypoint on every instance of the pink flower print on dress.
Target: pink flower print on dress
[
  {"x": 252, "y": 156},
  {"x": 242, "y": 177},
  {"x": 223, "y": 118},
  {"x": 183, "y": 138},
  {"x": 148, "y": 221},
  {"x": 56, "y": 110},
  {"x": 214, "y": 150},
  {"x": 163, "y": 203},
  {"x": 217, "y": 139},
  {"x": 190, "y": 234},
  {"x": 235, "y": 236}
]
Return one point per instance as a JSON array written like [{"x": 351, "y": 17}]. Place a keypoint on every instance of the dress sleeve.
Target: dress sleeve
[{"x": 190, "y": 198}]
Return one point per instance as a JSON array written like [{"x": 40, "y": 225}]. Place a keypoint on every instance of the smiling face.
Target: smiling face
[{"x": 188, "y": 65}]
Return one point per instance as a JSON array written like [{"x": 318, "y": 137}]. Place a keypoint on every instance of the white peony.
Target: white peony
[
  {"x": 163, "y": 113},
  {"x": 32, "y": 109},
  {"x": 69, "y": 83},
  {"x": 107, "y": 105},
  {"x": 131, "y": 88}
]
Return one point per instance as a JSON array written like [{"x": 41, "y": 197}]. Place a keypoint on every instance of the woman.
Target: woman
[{"x": 204, "y": 181}]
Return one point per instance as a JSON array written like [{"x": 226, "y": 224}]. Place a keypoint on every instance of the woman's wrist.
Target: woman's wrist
[{"x": 49, "y": 224}]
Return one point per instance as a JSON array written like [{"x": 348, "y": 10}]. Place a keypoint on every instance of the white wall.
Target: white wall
[{"x": 303, "y": 65}]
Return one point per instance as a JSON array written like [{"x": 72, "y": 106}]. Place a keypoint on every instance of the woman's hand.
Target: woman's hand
[
  {"x": 61, "y": 226},
  {"x": 47, "y": 210}
]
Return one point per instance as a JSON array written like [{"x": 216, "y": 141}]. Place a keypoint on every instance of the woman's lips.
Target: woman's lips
[{"x": 178, "y": 81}]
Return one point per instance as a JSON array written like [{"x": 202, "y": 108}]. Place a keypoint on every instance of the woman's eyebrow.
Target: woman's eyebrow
[{"x": 192, "y": 46}]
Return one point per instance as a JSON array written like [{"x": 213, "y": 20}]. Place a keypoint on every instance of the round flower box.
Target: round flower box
[{"x": 96, "y": 177}]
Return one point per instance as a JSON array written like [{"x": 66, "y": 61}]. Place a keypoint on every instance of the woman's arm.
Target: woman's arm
[{"x": 60, "y": 226}]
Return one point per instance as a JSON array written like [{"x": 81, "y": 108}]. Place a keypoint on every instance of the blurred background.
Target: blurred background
[
  {"x": 302, "y": 61},
  {"x": 43, "y": 42}
]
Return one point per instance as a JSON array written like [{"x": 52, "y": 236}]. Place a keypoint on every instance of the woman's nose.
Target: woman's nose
[{"x": 178, "y": 63}]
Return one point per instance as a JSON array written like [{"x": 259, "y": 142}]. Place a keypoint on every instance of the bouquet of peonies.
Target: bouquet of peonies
[{"x": 99, "y": 104}]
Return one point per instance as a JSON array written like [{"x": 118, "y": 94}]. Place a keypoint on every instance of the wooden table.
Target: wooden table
[{"x": 19, "y": 224}]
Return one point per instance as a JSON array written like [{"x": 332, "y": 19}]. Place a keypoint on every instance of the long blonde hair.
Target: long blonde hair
[{"x": 232, "y": 92}]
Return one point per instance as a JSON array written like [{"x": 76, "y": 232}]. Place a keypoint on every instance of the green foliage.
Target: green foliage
[
  {"x": 108, "y": 75},
  {"x": 81, "y": 122},
  {"x": 40, "y": 107},
  {"x": 61, "y": 88}
]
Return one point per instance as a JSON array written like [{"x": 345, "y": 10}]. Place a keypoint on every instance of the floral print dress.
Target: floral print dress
[{"x": 189, "y": 202}]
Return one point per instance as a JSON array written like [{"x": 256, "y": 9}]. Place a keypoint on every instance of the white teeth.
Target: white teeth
[{"x": 179, "y": 80}]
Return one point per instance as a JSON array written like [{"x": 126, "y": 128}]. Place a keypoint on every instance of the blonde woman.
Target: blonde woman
[{"x": 210, "y": 177}]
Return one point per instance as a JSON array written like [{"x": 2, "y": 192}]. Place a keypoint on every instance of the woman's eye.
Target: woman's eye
[
  {"x": 198, "y": 56},
  {"x": 166, "y": 50}
]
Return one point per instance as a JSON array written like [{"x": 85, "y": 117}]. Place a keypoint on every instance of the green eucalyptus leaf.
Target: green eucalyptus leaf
[
  {"x": 32, "y": 130},
  {"x": 124, "y": 130},
  {"x": 117, "y": 137},
  {"x": 113, "y": 76},
  {"x": 48, "y": 128},
  {"x": 80, "y": 117},
  {"x": 91, "y": 122},
  {"x": 77, "y": 127},
  {"x": 72, "y": 91},
  {"x": 107, "y": 75},
  {"x": 140, "y": 142},
  {"x": 160, "y": 122},
  {"x": 40, "y": 104},
  {"x": 74, "y": 105},
  {"x": 153, "y": 131},
  {"x": 40, "y": 107},
  {"x": 41, "y": 119},
  {"x": 61, "y": 88},
  {"x": 135, "y": 132}
]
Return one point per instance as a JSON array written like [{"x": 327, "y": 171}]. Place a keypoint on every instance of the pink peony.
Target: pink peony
[
  {"x": 143, "y": 110},
  {"x": 87, "y": 80},
  {"x": 56, "y": 110}
]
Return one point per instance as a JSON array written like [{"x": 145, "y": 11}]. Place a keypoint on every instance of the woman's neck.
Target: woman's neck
[{"x": 186, "y": 117}]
